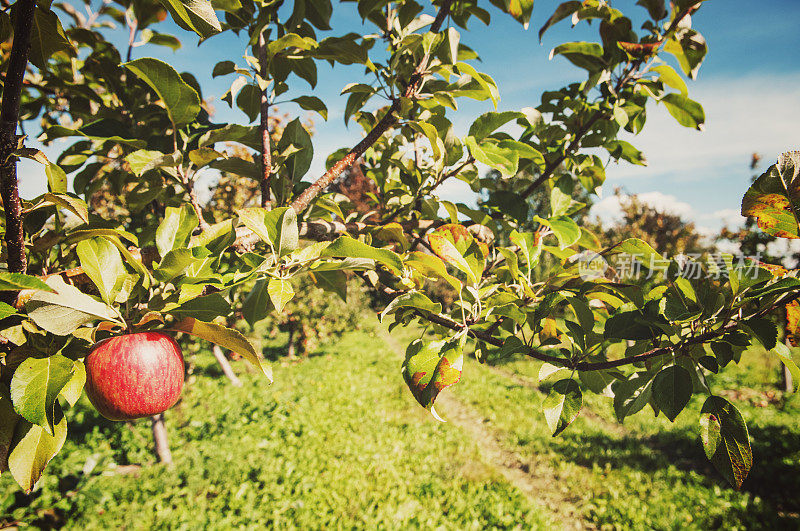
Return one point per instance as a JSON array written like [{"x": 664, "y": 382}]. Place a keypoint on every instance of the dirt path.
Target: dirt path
[{"x": 540, "y": 486}]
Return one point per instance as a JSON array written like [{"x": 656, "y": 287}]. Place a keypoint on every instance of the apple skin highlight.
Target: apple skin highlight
[{"x": 134, "y": 375}]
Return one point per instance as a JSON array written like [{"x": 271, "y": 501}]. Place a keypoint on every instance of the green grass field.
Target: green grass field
[{"x": 338, "y": 442}]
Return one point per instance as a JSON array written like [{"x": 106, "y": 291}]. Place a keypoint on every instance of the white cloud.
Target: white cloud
[
  {"x": 609, "y": 209},
  {"x": 727, "y": 217},
  {"x": 743, "y": 115}
]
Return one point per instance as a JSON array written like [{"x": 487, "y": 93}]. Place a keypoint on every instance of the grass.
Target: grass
[
  {"x": 649, "y": 473},
  {"x": 338, "y": 442}
]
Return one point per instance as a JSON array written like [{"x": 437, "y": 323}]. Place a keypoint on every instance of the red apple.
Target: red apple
[{"x": 134, "y": 375}]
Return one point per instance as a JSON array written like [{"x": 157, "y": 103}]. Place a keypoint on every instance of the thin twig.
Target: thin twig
[
  {"x": 386, "y": 122},
  {"x": 575, "y": 143}
]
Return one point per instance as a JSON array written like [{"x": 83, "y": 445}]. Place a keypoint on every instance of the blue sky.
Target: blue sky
[{"x": 749, "y": 86}]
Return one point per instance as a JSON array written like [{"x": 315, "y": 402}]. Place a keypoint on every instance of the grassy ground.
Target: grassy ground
[
  {"x": 338, "y": 442},
  {"x": 649, "y": 473}
]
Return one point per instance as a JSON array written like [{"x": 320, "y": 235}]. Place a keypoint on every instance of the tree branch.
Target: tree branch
[
  {"x": 266, "y": 149},
  {"x": 575, "y": 143},
  {"x": 389, "y": 119},
  {"x": 487, "y": 337},
  {"x": 9, "y": 116}
]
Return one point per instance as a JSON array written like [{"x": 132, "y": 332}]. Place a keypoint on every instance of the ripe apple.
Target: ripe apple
[{"x": 134, "y": 375}]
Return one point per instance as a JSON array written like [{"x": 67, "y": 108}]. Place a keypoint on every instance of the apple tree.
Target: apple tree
[{"x": 140, "y": 134}]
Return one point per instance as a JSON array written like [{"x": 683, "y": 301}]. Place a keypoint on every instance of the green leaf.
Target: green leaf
[
  {"x": 565, "y": 229},
  {"x": 312, "y": 103},
  {"x": 508, "y": 202},
  {"x": 564, "y": 10},
  {"x": 56, "y": 178},
  {"x": 33, "y": 448},
  {"x": 430, "y": 367},
  {"x": 243, "y": 134},
  {"x": 67, "y": 201},
  {"x": 487, "y": 123},
  {"x": 655, "y": 8},
  {"x": 530, "y": 244},
  {"x": 177, "y": 261},
  {"x": 257, "y": 304},
  {"x": 519, "y": 9},
  {"x": 227, "y": 338},
  {"x": 290, "y": 40},
  {"x": 144, "y": 160},
  {"x": 161, "y": 39},
  {"x": 689, "y": 48},
  {"x": 765, "y": 330},
  {"x": 668, "y": 76},
  {"x": 412, "y": 299},
  {"x": 176, "y": 229},
  {"x": 6, "y": 310},
  {"x": 102, "y": 263},
  {"x": 288, "y": 232},
  {"x": 490, "y": 89},
  {"x": 277, "y": 227},
  {"x": 37, "y": 382},
  {"x": 784, "y": 353},
  {"x": 298, "y": 163},
  {"x": 636, "y": 249},
  {"x": 620, "y": 149},
  {"x": 672, "y": 389},
  {"x": 633, "y": 325},
  {"x": 280, "y": 292},
  {"x": 8, "y": 421},
  {"x": 18, "y": 281},
  {"x": 333, "y": 282},
  {"x": 631, "y": 395},
  {"x": 494, "y": 155},
  {"x": 725, "y": 439},
  {"x": 205, "y": 308},
  {"x": 774, "y": 198},
  {"x": 180, "y": 99},
  {"x": 562, "y": 404},
  {"x": 347, "y": 247},
  {"x": 448, "y": 250},
  {"x": 194, "y": 15},
  {"x": 431, "y": 267},
  {"x": 62, "y": 312},
  {"x": 687, "y": 112},
  {"x": 47, "y": 38},
  {"x": 586, "y": 55},
  {"x": 106, "y": 129}
]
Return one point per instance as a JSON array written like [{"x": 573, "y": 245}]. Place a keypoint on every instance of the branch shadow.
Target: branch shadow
[{"x": 774, "y": 477}]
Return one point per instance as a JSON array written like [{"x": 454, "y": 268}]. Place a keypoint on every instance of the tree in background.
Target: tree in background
[{"x": 667, "y": 233}]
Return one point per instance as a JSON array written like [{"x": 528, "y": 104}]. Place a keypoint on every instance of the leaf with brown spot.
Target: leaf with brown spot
[
  {"x": 793, "y": 323},
  {"x": 430, "y": 367},
  {"x": 455, "y": 245},
  {"x": 774, "y": 198},
  {"x": 639, "y": 49}
]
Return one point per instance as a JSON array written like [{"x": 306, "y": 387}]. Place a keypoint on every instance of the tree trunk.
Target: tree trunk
[
  {"x": 788, "y": 384},
  {"x": 227, "y": 370},
  {"x": 160, "y": 439},
  {"x": 290, "y": 350}
]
